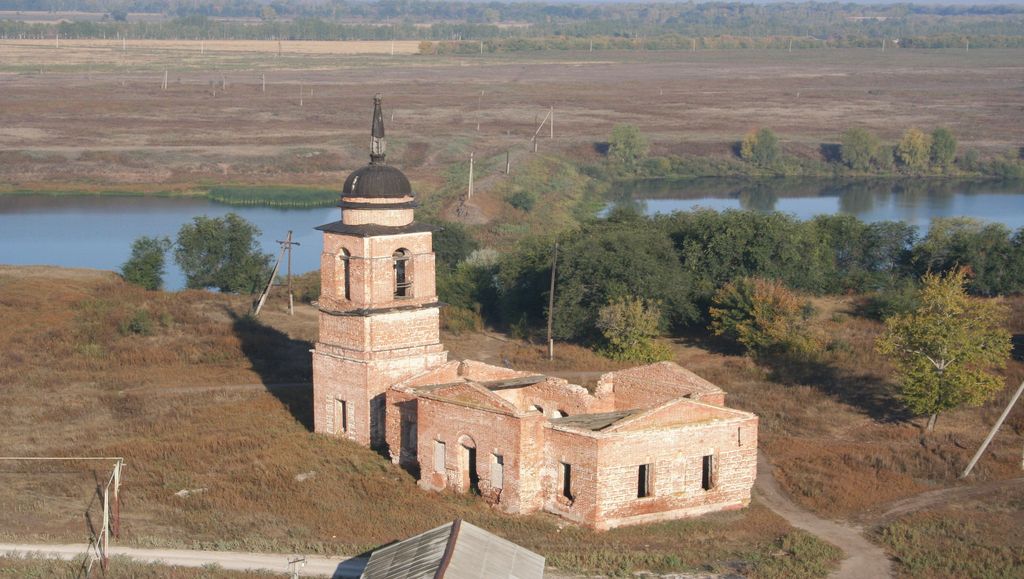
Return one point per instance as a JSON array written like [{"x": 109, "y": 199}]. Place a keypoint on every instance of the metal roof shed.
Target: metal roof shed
[{"x": 456, "y": 550}]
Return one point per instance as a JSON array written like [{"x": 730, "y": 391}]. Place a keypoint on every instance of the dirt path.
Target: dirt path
[
  {"x": 337, "y": 567},
  {"x": 940, "y": 496},
  {"x": 863, "y": 558}
]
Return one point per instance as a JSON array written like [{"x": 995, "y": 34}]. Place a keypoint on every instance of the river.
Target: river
[{"x": 97, "y": 231}]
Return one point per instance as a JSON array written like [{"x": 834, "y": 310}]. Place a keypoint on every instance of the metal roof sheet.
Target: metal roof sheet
[{"x": 472, "y": 553}]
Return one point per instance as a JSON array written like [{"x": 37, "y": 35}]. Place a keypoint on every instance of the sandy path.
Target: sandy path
[
  {"x": 863, "y": 558},
  {"x": 338, "y": 567}
]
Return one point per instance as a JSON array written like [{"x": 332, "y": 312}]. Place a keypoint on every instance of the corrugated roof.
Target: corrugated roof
[{"x": 456, "y": 550}]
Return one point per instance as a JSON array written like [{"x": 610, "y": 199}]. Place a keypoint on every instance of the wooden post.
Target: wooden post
[
  {"x": 124, "y": 43},
  {"x": 469, "y": 194},
  {"x": 551, "y": 302},
  {"x": 551, "y": 113},
  {"x": 263, "y": 80},
  {"x": 165, "y": 79},
  {"x": 117, "y": 498},
  {"x": 693, "y": 47},
  {"x": 202, "y": 47},
  {"x": 266, "y": 292},
  {"x": 300, "y": 94},
  {"x": 992, "y": 433},
  {"x": 791, "y": 45},
  {"x": 105, "y": 530},
  {"x": 508, "y": 163}
]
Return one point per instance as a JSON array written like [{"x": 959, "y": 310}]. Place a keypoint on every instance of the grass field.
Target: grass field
[
  {"x": 183, "y": 398},
  {"x": 215, "y": 123}
]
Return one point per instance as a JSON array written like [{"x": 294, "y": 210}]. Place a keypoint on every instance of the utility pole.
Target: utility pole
[
  {"x": 992, "y": 433},
  {"x": 552, "y": 126},
  {"x": 266, "y": 292},
  {"x": 286, "y": 245},
  {"x": 469, "y": 193},
  {"x": 263, "y": 80},
  {"x": 551, "y": 302},
  {"x": 165, "y": 80},
  {"x": 294, "y": 565}
]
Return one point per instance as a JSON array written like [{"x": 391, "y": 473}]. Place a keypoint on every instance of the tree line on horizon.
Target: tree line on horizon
[{"x": 546, "y": 26}]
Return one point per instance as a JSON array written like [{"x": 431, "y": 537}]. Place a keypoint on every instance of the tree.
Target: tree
[
  {"x": 629, "y": 325},
  {"x": 145, "y": 266},
  {"x": 222, "y": 253},
  {"x": 943, "y": 147},
  {"x": 760, "y": 147},
  {"x": 946, "y": 349},
  {"x": 859, "y": 147},
  {"x": 627, "y": 147},
  {"x": 762, "y": 315},
  {"x": 914, "y": 149}
]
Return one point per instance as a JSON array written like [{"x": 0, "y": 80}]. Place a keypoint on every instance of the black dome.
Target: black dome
[{"x": 376, "y": 180}]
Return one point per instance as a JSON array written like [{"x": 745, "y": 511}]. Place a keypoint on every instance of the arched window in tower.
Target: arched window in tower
[
  {"x": 346, "y": 267},
  {"x": 403, "y": 284}
]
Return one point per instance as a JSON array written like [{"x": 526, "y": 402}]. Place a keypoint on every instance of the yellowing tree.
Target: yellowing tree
[
  {"x": 629, "y": 325},
  {"x": 946, "y": 349},
  {"x": 762, "y": 315},
  {"x": 915, "y": 149}
]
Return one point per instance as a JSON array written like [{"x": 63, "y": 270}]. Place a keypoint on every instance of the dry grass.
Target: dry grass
[
  {"x": 120, "y": 568},
  {"x": 841, "y": 443},
  {"x": 196, "y": 132},
  {"x": 980, "y": 538},
  {"x": 89, "y": 49},
  {"x": 75, "y": 384}
]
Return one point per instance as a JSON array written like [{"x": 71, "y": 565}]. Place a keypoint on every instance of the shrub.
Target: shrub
[
  {"x": 146, "y": 265},
  {"x": 943, "y": 147},
  {"x": 140, "y": 324},
  {"x": 522, "y": 199},
  {"x": 761, "y": 315},
  {"x": 915, "y": 149},
  {"x": 858, "y": 149},
  {"x": 760, "y": 147},
  {"x": 629, "y": 325}
]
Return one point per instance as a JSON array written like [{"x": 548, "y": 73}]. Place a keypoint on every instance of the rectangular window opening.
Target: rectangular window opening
[
  {"x": 497, "y": 471},
  {"x": 707, "y": 475},
  {"x": 340, "y": 416},
  {"x": 643, "y": 484},
  {"x": 567, "y": 480},
  {"x": 438, "y": 456}
]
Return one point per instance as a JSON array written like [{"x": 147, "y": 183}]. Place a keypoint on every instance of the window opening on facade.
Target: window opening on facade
[
  {"x": 537, "y": 408},
  {"x": 438, "y": 456},
  {"x": 707, "y": 473},
  {"x": 567, "y": 481},
  {"x": 403, "y": 286},
  {"x": 340, "y": 416},
  {"x": 644, "y": 488},
  {"x": 346, "y": 273},
  {"x": 559, "y": 414},
  {"x": 497, "y": 471}
]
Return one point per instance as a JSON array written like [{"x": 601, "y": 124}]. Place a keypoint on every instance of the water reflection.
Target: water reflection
[{"x": 916, "y": 201}]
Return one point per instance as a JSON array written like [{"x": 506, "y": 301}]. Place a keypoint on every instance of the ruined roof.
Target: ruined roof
[
  {"x": 456, "y": 550},
  {"x": 669, "y": 374},
  {"x": 467, "y": 394},
  {"x": 596, "y": 422}
]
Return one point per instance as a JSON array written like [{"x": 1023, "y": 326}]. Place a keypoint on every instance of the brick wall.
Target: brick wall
[{"x": 676, "y": 459}]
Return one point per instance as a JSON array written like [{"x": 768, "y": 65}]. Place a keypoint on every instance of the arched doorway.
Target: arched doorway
[{"x": 470, "y": 474}]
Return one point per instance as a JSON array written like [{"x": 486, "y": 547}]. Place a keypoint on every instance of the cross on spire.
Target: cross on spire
[{"x": 377, "y": 141}]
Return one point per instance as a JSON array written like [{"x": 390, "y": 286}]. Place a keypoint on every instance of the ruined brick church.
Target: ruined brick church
[{"x": 646, "y": 444}]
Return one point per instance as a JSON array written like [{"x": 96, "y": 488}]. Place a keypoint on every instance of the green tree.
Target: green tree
[
  {"x": 145, "y": 266},
  {"x": 629, "y": 325},
  {"x": 760, "y": 147},
  {"x": 993, "y": 255},
  {"x": 858, "y": 149},
  {"x": 222, "y": 253},
  {"x": 943, "y": 147},
  {"x": 627, "y": 147},
  {"x": 946, "y": 349},
  {"x": 762, "y": 315},
  {"x": 915, "y": 149}
]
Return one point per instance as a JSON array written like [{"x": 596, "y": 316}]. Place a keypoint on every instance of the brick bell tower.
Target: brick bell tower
[{"x": 379, "y": 314}]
